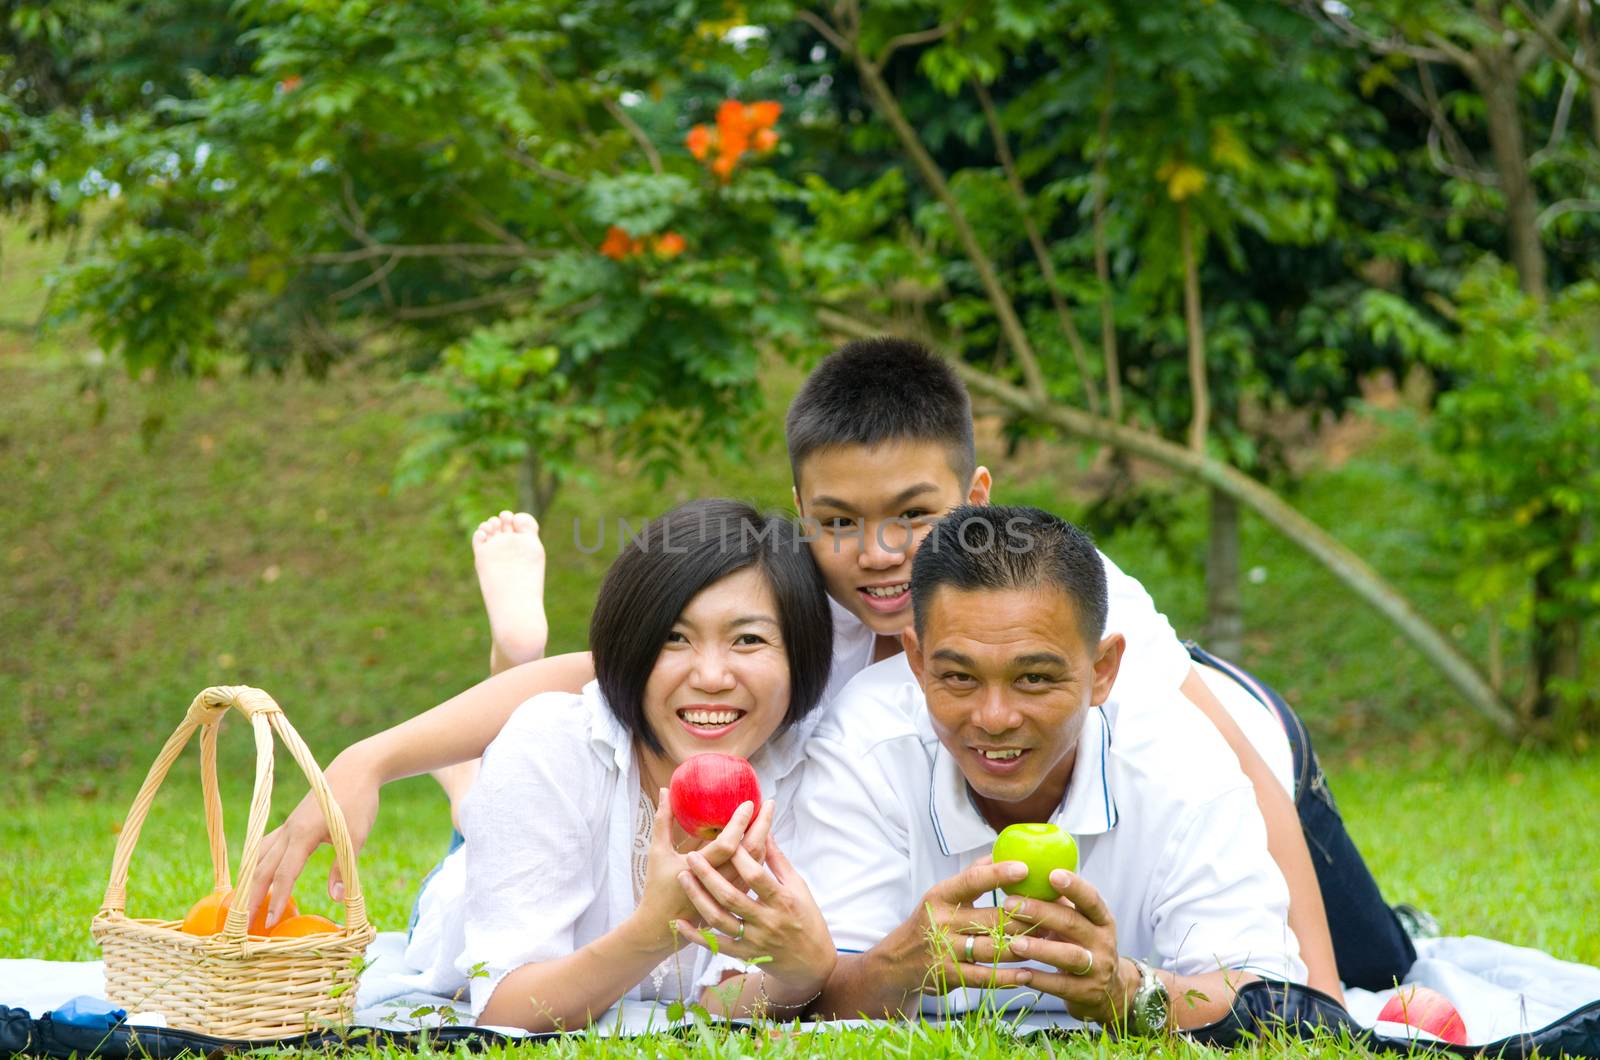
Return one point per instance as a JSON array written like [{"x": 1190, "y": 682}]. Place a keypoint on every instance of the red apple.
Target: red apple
[
  {"x": 706, "y": 789},
  {"x": 1417, "y": 1007}
]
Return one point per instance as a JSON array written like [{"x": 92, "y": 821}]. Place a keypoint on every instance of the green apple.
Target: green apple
[{"x": 1044, "y": 848}]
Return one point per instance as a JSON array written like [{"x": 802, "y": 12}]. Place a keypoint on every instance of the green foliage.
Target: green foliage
[{"x": 1521, "y": 459}]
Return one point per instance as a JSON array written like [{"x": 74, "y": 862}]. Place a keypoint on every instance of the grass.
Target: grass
[{"x": 244, "y": 530}]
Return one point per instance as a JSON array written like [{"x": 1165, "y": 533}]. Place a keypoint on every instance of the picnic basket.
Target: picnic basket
[{"x": 232, "y": 984}]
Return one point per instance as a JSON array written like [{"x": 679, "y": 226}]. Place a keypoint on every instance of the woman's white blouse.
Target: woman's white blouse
[{"x": 547, "y": 867}]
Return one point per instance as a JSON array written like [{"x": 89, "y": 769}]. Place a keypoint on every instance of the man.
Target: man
[{"x": 996, "y": 714}]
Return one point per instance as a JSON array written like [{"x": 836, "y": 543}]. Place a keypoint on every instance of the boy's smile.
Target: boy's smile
[{"x": 871, "y": 507}]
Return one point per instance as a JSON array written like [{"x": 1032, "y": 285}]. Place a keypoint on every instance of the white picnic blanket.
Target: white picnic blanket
[{"x": 1500, "y": 990}]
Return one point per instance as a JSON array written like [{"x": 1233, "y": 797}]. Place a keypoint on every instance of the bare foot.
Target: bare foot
[{"x": 510, "y": 559}]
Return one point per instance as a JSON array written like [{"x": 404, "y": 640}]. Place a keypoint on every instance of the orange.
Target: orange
[
  {"x": 293, "y": 927},
  {"x": 209, "y": 914},
  {"x": 258, "y": 922},
  {"x": 205, "y": 916}
]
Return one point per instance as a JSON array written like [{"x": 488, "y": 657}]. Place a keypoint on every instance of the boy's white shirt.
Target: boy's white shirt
[
  {"x": 1167, "y": 827},
  {"x": 546, "y": 869}
]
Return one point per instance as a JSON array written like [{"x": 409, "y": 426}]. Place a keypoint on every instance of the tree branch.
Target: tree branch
[
  {"x": 465, "y": 305},
  {"x": 1566, "y": 206},
  {"x": 420, "y": 250},
  {"x": 1195, "y": 330},
  {"x": 535, "y": 166},
  {"x": 1558, "y": 127},
  {"x": 1553, "y": 44},
  {"x": 1350, "y": 569},
  {"x": 933, "y": 176},
  {"x": 378, "y": 275},
  {"x": 619, "y": 112},
  {"x": 1102, "y": 255},
  {"x": 909, "y": 40},
  {"x": 827, "y": 32},
  {"x": 1041, "y": 253},
  {"x": 1382, "y": 45}
]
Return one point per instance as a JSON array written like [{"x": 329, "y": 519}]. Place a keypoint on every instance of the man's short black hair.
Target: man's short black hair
[
  {"x": 668, "y": 564},
  {"x": 878, "y": 390},
  {"x": 1000, "y": 547}
]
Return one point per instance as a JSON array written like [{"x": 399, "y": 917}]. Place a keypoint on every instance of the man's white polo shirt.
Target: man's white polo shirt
[{"x": 1167, "y": 829}]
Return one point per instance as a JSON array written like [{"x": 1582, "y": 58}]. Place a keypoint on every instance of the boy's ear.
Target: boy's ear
[
  {"x": 982, "y": 483},
  {"x": 1107, "y": 661},
  {"x": 794, "y": 491},
  {"x": 913, "y": 648}
]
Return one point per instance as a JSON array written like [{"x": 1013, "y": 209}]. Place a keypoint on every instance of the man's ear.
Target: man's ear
[
  {"x": 982, "y": 483},
  {"x": 913, "y": 648},
  {"x": 794, "y": 491},
  {"x": 1107, "y": 661}
]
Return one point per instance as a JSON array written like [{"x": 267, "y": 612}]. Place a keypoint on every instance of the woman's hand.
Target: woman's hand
[
  {"x": 354, "y": 785},
  {"x": 779, "y": 920},
  {"x": 663, "y": 905}
]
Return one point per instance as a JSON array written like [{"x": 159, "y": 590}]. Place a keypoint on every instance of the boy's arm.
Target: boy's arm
[
  {"x": 457, "y": 730},
  {"x": 1286, "y": 842}
]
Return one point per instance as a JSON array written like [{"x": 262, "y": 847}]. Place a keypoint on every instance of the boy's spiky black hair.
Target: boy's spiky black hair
[{"x": 878, "y": 390}]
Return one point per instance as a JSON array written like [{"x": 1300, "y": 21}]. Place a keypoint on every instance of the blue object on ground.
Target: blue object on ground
[{"x": 93, "y": 1013}]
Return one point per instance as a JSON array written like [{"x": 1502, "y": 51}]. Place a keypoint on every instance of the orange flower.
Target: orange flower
[
  {"x": 763, "y": 115},
  {"x": 699, "y": 142},
  {"x": 733, "y": 132},
  {"x": 765, "y": 140},
  {"x": 290, "y": 83},
  {"x": 670, "y": 245},
  {"x": 618, "y": 244},
  {"x": 723, "y": 167}
]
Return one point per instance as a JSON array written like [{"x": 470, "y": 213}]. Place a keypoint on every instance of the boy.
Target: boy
[{"x": 881, "y": 446}]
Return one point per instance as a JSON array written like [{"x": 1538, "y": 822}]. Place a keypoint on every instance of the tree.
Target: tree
[
  {"x": 393, "y": 181},
  {"x": 1483, "y": 76},
  {"x": 1151, "y": 167}
]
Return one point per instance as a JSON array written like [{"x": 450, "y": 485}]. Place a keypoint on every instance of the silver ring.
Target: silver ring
[
  {"x": 972, "y": 941},
  {"x": 740, "y": 936},
  {"x": 1088, "y": 967}
]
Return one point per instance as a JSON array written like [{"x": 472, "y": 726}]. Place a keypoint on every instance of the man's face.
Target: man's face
[
  {"x": 1008, "y": 679},
  {"x": 873, "y": 505}
]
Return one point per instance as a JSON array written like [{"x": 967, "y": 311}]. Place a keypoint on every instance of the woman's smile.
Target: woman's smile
[{"x": 709, "y": 721}]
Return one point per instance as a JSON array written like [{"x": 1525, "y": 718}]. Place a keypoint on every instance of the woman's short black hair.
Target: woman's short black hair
[{"x": 668, "y": 564}]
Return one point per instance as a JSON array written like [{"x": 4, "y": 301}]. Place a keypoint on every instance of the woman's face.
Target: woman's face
[{"x": 721, "y": 682}]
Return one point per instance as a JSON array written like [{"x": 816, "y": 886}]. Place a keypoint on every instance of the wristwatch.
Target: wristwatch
[{"x": 1151, "y": 1008}]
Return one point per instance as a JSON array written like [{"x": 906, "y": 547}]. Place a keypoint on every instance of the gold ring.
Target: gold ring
[
  {"x": 1088, "y": 967},
  {"x": 740, "y": 936},
  {"x": 971, "y": 941}
]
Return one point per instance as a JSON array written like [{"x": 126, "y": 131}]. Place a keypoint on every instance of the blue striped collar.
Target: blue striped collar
[{"x": 1088, "y": 808}]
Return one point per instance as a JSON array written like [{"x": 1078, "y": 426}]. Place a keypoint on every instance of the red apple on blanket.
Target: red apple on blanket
[
  {"x": 1428, "y": 1011},
  {"x": 1043, "y": 848},
  {"x": 706, "y": 789}
]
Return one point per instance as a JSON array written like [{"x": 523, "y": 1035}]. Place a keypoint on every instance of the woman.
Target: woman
[{"x": 711, "y": 633}]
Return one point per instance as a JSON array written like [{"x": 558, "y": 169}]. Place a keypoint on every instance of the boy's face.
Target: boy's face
[{"x": 873, "y": 505}]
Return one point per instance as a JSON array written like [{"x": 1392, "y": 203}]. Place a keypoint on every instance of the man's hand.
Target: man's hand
[
  {"x": 285, "y": 849},
  {"x": 946, "y": 943},
  {"x": 1077, "y": 936}
]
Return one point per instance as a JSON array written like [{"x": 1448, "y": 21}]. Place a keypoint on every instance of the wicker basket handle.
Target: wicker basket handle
[{"x": 266, "y": 718}]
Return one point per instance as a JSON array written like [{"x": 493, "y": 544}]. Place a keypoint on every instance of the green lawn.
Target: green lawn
[{"x": 244, "y": 531}]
